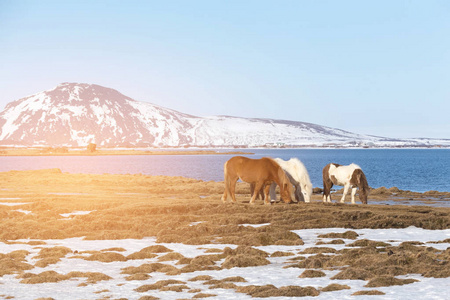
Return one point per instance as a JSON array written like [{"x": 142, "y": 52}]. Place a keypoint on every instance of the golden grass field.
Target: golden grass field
[{"x": 139, "y": 206}]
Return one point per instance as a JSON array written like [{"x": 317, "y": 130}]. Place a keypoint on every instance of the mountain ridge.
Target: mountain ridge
[{"x": 76, "y": 114}]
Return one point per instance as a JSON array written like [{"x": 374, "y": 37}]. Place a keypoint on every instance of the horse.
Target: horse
[
  {"x": 298, "y": 176},
  {"x": 260, "y": 172},
  {"x": 347, "y": 176}
]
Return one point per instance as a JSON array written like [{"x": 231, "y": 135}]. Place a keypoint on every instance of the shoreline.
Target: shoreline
[
  {"x": 66, "y": 152},
  {"x": 380, "y": 194},
  {"x": 376, "y": 193}
]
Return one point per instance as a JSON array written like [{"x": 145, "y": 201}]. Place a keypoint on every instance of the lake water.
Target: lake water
[{"x": 408, "y": 169}]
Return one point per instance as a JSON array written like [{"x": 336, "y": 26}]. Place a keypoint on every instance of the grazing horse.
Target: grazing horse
[
  {"x": 347, "y": 176},
  {"x": 260, "y": 172},
  {"x": 298, "y": 176}
]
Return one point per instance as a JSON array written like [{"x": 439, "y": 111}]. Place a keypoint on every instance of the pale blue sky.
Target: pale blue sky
[{"x": 373, "y": 67}]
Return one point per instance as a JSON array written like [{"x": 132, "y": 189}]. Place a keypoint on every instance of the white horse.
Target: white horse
[
  {"x": 299, "y": 177},
  {"x": 347, "y": 176}
]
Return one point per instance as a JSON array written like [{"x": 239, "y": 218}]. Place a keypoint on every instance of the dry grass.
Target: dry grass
[
  {"x": 58, "y": 252},
  {"x": 346, "y": 235},
  {"x": 201, "y": 278},
  {"x": 52, "y": 276},
  {"x": 47, "y": 261},
  {"x": 353, "y": 273},
  {"x": 268, "y": 291},
  {"x": 281, "y": 254},
  {"x": 14, "y": 262},
  {"x": 171, "y": 256},
  {"x": 388, "y": 281},
  {"x": 160, "y": 285},
  {"x": 335, "y": 287},
  {"x": 44, "y": 277},
  {"x": 150, "y": 268},
  {"x": 312, "y": 274},
  {"x": 242, "y": 261},
  {"x": 106, "y": 257},
  {"x": 333, "y": 242},
  {"x": 138, "y": 276},
  {"x": 314, "y": 250},
  {"x": 203, "y": 295},
  {"x": 368, "y": 243},
  {"x": 148, "y": 298},
  {"x": 120, "y": 206},
  {"x": 91, "y": 277},
  {"x": 318, "y": 261},
  {"x": 223, "y": 285},
  {"x": 148, "y": 252},
  {"x": 226, "y": 283},
  {"x": 170, "y": 209},
  {"x": 368, "y": 293}
]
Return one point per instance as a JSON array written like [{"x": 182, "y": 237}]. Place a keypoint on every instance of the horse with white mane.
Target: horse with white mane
[
  {"x": 347, "y": 176},
  {"x": 298, "y": 176}
]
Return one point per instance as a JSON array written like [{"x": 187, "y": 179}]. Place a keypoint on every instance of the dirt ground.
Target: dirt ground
[{"x": 49, "y": 204}]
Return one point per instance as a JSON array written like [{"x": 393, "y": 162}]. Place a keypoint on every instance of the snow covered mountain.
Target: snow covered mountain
[{"x": 74, "y": 114}]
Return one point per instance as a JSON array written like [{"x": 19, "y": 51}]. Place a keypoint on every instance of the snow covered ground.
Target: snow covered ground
[{"x": 274, "y": 273}]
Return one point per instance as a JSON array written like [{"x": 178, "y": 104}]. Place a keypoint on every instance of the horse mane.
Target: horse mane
[
  {"x": 301, "y": 169},
  {"x": 354, "y": 166},
  {"x": 360, "y": 178}
]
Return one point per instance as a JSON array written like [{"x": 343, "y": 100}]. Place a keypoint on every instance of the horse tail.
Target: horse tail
[
  {"x": 327, "y": 183},
  {"x": 361, "y": 181},
  {"x": 226, "y": 181},
  {"x": 225, "y": 170},
  {"x": 227, "y": 174}
]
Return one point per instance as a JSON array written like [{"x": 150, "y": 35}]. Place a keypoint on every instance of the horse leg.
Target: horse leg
[
  {"x": 230, "y": 185},
  {"x": 232, "y": 188},
  {"x": 346, "y": 187},
  {"x": 259, "y": 194},
  {"x": 258, "y": 187},
  {"x": 226, "y": 179},
  {"x": 252, "y": 189},
  {"x": 225, "y": 192},
  {"x": 267, "y": 190},
  {"x": 327, "y": 185},
  {"x": 353, "y": 195},
  {"x": 273, "y": 193},
  {"x": 224, "y": 196}
]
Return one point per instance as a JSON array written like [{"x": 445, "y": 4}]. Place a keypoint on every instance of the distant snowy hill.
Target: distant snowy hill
[{"x": 74, "y": 114}]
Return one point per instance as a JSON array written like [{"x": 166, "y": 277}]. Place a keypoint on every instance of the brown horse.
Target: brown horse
[{"x": 260, "y": 172}]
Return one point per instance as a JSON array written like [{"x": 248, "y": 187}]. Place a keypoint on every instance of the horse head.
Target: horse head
[
  {"x": 299, "y": 177},
  {"x": 286, "y": 188},
  {"x": 307, "y": 192},
  {"x": 286, "y": 191},
  {"x": 361, "y": 182}
]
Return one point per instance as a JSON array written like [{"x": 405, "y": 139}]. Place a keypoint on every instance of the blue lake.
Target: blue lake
[{"x": 408, "y": 169}]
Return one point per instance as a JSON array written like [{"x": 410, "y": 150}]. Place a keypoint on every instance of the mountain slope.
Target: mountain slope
[{"x": 74, "y": 114}]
